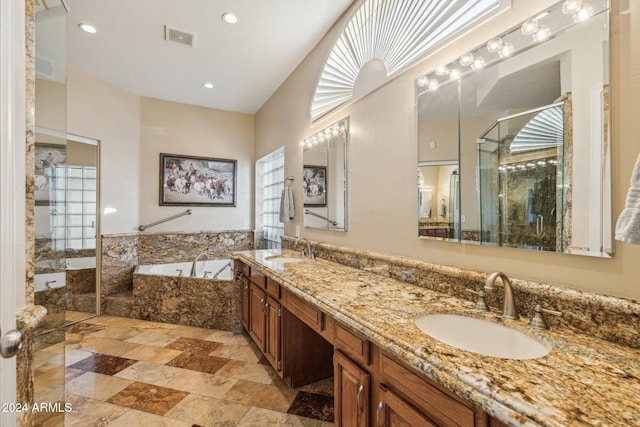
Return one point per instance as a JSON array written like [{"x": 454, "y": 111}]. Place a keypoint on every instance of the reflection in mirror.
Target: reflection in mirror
[
  {"x": 438, "y": 199},
  {"x": 324, "y": 178},
  {"x": 520, "y": 174},
  {"x": 82, "y": 226},
  {"x": 534, "y": 135},
  {"x": 49, "y": 169},
  {"x": 438, "y": 166}
]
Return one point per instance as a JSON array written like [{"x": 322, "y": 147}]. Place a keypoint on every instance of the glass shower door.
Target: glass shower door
[{"x": 520, "y": 173}]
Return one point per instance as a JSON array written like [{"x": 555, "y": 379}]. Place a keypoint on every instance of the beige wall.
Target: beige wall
[
  {"x": 133, "y": 130},
  {"x": 99, "y": 110},
  {"x": 384, "y": 137},
  {"x": 169, "y": 127}
]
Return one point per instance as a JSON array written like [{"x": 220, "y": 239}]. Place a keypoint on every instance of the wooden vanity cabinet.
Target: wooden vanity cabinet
[
  {"x": 273, "y": 333},
  {"x": 371, "y": 387},
  {"x": 257, "y": 319},
  {"x": 245, "y": 302},
  {"x": 393, "y": 411},
  {"x": 352, "y": 393},
  {"x": 298, "y": 353}
]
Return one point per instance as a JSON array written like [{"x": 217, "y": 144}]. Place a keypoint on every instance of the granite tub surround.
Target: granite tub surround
[
  {"x": 582, "y": 381},
  {"x": 610, "y": 318},
  {"x": 188, "y": 301},
  {"x": 121, "y": 253},
  {"x": 119, "y": 259},
  {"x": 166, "y": 248}
]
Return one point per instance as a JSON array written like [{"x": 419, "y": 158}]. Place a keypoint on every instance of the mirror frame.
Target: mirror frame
[
  {"x": 325, "y": 136},
  {"x": 431, "y": 81}
]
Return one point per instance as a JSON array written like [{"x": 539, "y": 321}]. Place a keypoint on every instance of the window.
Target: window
[
  {"x": 269, "y": 185},
  {"x": 397, "y": 33},
  {"x": 74, "y": 221}
]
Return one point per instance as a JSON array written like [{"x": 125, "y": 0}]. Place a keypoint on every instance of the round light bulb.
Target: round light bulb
[
  {"x": 433, "y": 85},
  {"x": 583, "y": 14},
  {"x": 423, "y": 81},
  {"x": 466, "y": 59},
  {"x": 442, "y": 70},
  {"x": 542, "y": 34},
  {"x": 506, "y": 51},
  {"x": 529, "y": 27},
  {"x": 478, "y": 64},
  {"x": 455, "y": 74},
  {"x": 208, "y": 85},
  {"x": 569, "y": 7},
  {"x": 494, "y": 45}
]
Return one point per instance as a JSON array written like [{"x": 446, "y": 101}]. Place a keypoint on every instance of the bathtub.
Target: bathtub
[
  {"x": 166, "y": 293},
  {"x": 204, "y": 270},
  {"x": 48, "y": 281},
  {"x": 80, "y": 263}
]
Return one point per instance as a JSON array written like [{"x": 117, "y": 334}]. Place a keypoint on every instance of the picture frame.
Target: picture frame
[
  {"x": 197, "y": 181},
  {"x": 50, "y": 168},
  {"x": 314, "y": 181}
]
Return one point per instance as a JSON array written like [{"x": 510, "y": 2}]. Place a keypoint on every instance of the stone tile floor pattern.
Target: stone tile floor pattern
[{"x": 126, "y": 372}]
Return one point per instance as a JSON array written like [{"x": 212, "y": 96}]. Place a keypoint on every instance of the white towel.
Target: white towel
[
  {"x": 287, "y": 211},
  {"x": 628, "y": 226}
]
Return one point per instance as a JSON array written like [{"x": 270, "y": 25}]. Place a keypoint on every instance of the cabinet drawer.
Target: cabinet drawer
[
  {"x": 304, "y": 311},
  {"x": 353, "y": 344},
  {"x": 442, "y": 407},
  {"x": 258, "y": 278},
  {"x": 273, "y": 288}
]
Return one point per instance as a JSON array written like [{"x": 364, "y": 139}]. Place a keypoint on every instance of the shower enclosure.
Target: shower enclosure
[{"x": 520, "y": 175}]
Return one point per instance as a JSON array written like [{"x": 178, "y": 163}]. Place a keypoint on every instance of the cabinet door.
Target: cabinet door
[
  {"x": 272, "y": 340},
  {"x": 393, "y": 411},
  {"x": 352, "y": 393},
  {"x": 256, "y": 315},
  {"x": 245, "y": 303}
]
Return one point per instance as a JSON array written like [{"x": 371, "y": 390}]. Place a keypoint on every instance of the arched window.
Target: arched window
[{"x": 383, "y": 38}]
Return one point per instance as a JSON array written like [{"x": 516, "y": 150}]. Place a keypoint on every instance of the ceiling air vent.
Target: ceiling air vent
[
  {"x": 179, "y": 36},
  {"x": 45, "y": 68}
]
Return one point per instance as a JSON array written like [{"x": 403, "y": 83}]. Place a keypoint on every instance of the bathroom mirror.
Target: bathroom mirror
[
  {"x": 439, "y": 164},
  {"x": 531, "y": 125},
  {"x": 324, "y": 178},
  {"x": 50, "y": 194}
]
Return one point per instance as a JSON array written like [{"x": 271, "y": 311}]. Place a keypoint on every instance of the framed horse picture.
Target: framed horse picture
[
  {"x": 314, "y": 181},
  {"x": 197, "y": 181},
  {"x": 50, "y": 173}
]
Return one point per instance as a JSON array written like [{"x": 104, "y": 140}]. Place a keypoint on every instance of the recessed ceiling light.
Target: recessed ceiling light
[
  {"x": 208, "y": 85},
  {"x": 229, "y": 18},
  {"x": 88, "y": 28}
]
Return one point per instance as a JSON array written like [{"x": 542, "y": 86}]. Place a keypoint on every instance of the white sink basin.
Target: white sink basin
[
  {"x": 480, "y": 336},
  {"x": 282, "y": 259}
]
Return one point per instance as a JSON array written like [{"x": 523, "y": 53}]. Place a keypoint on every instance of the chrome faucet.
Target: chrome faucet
[
  {"x": 227, "y": 265},
  {"x": 509, "y": 310},
  {"x": 309, "y": 253},
  {"x": 193, "y": 267}
]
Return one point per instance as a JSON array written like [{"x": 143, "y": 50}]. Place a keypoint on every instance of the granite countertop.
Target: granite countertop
[{"x": 582, "y": 381}]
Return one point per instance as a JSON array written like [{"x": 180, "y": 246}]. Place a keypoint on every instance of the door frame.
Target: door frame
[{"x": 12, "y": 184}]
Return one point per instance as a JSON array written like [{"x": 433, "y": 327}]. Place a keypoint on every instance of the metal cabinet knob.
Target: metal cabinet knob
[{"x": 10, "y": 344}]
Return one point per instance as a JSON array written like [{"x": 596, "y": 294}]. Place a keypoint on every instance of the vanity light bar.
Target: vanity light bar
[
  {"x": 324, "y": 135},
  {"x": 506, "y": 44}
]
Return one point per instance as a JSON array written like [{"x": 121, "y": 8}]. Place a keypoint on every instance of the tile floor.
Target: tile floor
[{"x": 125, "y": 372}]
